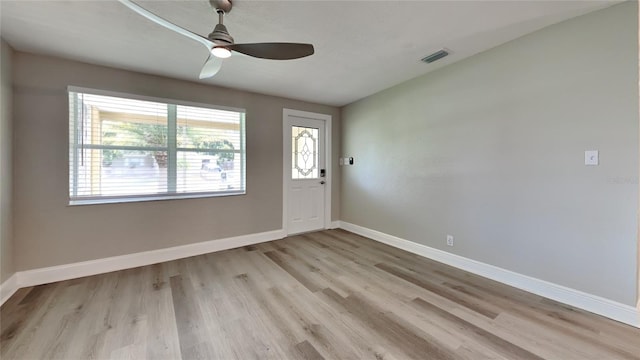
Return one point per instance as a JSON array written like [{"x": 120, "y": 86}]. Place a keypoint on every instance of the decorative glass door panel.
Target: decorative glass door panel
[{"x": 304, "y": 153}]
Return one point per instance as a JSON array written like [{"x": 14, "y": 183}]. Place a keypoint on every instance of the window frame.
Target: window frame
[{"x": 74, "y": 148}]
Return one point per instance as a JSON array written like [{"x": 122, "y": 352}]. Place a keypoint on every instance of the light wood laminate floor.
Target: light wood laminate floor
[{"x": 330, "y": 294}]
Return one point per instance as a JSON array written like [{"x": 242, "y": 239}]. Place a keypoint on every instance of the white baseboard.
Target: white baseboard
[
  {"x": 105, "y": 265},
  {"x": 592, "y": 303},
  {"x": 8, "y": 288},
  {"x": 334, "y": 224}
]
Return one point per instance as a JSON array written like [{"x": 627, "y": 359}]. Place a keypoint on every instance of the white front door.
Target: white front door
[{"x": 305, "y": 172}]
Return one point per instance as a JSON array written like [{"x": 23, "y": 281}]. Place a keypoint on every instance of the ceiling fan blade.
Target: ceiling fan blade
[
  {"x": 167, "y": 24},
  {"x": 211, "y": 67},
  {"x": 274, "y": 51}
]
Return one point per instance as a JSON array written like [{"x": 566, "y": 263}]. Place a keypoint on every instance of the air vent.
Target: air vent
[{"x": 435, "y": 56}]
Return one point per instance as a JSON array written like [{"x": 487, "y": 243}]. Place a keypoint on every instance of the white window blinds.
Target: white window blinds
[{"x": 125, "y": 149}]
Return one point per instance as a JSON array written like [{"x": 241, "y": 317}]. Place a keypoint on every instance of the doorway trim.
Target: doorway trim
[
  {"x": 638, "y": 211},
  {"x": 286, "y": 163}
]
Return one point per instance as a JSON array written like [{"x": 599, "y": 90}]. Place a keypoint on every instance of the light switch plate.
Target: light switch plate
[{"x": 591, "y": 157}]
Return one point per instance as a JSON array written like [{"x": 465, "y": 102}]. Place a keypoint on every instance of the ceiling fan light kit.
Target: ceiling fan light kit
[
  {"x": 220, "y": 44},
  {"x": 221, "y": 52}
]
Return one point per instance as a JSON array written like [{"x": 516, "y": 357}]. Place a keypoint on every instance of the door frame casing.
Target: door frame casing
[{"x": 286, "y": 163}]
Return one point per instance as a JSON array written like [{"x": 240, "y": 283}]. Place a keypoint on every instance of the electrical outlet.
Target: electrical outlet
[{"x": 449, "y": 240}]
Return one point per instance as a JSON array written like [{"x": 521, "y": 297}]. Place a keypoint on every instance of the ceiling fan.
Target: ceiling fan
[{"x": 220, "y": 44}]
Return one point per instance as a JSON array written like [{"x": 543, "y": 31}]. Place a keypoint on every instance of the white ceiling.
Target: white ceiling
[{"x": 362, "y": 47}]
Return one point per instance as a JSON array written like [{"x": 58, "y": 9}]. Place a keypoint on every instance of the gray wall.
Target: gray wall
[
  {"x": 491, "y": 150},
  {"x": 47, "y": 232},
  {"x": 6, "y": 99}
]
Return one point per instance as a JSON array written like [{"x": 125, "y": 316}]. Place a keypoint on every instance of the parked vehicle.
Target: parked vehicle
[{"x": 209, "y": 170}]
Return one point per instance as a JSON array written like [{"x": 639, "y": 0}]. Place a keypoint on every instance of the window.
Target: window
[{"x": 129, "y": 148}]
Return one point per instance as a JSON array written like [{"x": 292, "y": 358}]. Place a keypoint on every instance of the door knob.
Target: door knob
[{"x": 322, "y": 182}]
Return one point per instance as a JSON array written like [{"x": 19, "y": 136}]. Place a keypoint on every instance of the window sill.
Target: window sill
[{"x": 130, "y": 199}]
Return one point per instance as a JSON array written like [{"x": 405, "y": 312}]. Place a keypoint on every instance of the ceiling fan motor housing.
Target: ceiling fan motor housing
[{"x": 220, "y": 35}]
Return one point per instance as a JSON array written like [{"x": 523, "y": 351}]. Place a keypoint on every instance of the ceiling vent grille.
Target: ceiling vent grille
[{"x": 435, "y": 56}]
